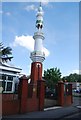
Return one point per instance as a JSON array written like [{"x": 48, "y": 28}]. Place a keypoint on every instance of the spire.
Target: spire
[
  {"x": 40, "y": 4},
  {"x": 39, "y": 21}
]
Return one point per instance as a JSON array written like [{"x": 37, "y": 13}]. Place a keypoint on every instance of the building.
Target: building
[
  {"x": 9, "y": 78},
  {"x": 38, "y": 55}
]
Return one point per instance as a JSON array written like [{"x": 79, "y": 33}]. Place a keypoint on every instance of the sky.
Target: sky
[{"x": 61, "y": 31}]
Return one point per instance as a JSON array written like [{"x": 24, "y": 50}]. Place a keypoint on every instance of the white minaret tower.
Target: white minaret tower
[{"x": 38, "y": 55}]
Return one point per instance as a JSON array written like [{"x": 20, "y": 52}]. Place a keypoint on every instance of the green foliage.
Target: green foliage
[
  {"x": 52, "y": 76},
  {"x": 5, "y": 53},
  {"x": 79, "y": 80},
  {"x": 72, "y": 78}
]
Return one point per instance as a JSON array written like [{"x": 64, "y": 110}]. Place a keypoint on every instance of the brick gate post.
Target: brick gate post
[
  {"x": 41, "y": 93},
  {"x": 61, "y": 93},
  {"x": 70, "y": 89},
  {"x": 22, "y": 94}
]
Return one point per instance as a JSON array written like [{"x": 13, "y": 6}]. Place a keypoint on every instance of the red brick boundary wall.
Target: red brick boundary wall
[
  {"x": 10, "y": 104},
  {"x": 26, "y": 100},
  {"x": 65, "y": 97},
  {"x": 30, "y": 97}
]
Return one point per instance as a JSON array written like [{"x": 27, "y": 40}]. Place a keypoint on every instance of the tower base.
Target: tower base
[{"x": 36, "y": 71}]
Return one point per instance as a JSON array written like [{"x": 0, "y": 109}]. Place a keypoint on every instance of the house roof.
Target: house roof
[{"x": 7, "y": 67}]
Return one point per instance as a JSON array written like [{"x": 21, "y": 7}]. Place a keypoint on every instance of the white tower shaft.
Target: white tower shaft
[
  {"x": 38, "y": 45},
  {"x": 38, "y": 55}
]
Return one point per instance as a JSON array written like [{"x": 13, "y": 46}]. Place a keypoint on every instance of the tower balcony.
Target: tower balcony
[
  {"x": 38, "y": 34},
  {"x": 37, "y": 56}
]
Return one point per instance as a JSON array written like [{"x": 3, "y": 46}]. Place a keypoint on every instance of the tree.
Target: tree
[
  {"x": 79, "y": 80},
  {"x": 52, "y": 76},
  {"x": 5, "y": 53},
  {"x": 72, "y": 77}
]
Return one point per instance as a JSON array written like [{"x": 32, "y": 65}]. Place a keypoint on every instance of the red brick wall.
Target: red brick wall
[
  {"x": 64, "y": 99},
  {"x": 67, "y": 100},
  {"x": 32, "y": 104},
  {"x": 14, "y": 104},
  {"x": 10, "y": 107},
  {"x": 9, "y": 96},
  {"x": 0, "y": 104}
]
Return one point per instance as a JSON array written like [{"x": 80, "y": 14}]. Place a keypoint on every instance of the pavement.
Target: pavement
[{"x": 57, "y": 112}]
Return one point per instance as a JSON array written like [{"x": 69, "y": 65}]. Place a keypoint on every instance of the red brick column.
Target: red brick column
[
  {"x": 36, "y": 71},
  {"x": 1, "y": 102},
  {"x": 22, "y": 94},
  {"x": 61, "y": 93},
  {"x": 41, "y": 93},
  {"x": 70, "y": 90}
]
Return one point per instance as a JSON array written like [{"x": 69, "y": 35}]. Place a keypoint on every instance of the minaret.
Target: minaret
[{"x": 38, "y": 56}]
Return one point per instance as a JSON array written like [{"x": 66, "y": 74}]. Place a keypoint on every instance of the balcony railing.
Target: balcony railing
[{"x": 38, "y": 53}]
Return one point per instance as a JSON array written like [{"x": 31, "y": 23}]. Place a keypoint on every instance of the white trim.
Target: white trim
[
  {"x": 10, "y": 69},
  {"x": 13, "y": 86},
  {"x": 8, "y": 73}
]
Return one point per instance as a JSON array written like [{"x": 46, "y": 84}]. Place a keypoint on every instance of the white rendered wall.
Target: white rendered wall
[{"x": 38, "y": 45}]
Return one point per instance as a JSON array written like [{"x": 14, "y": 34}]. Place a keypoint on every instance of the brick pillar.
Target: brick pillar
[
  {"x": 56, "y": 91},
  {"x": 36, "y": 71},
  {"x": 61, "y": 93},
  {"x": 22, "y": 94},
  {"x": 1, "y": 105},
  {"x": 41, "y": 93},
  {"x": 70, "y": 91}
]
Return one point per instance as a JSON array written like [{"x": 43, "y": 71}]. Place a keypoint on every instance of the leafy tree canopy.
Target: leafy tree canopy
[
  {"x": 72, "y": 78},
  {"x": 5, "y": 53},
  {"x": 52, "y": 76}
]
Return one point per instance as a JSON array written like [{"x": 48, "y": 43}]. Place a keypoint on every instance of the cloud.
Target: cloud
[
  {"x": 29, "y": 69},
  {"x": 75, "y": 71},
  {"x": 30, "y": 7},
  {"x": 46, "y": 52},
  {"x": 1, "y": 12},
  {"x": 24, "y": 41},
  {"x": 27, "y": 42},
  {"x": 34, "y": 8},
  {"x": 45, "y": 2},
  {"x": 8, "y": 13}
]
